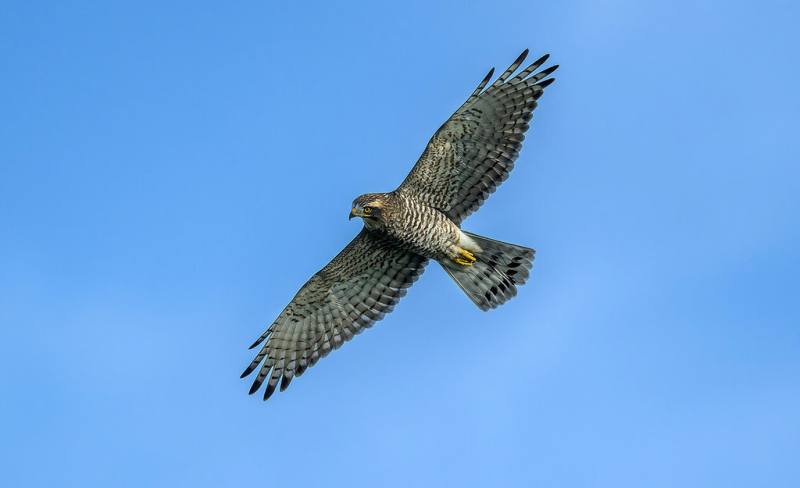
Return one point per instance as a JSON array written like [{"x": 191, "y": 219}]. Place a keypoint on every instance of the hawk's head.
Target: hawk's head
[{"x": 370, "y": 208}]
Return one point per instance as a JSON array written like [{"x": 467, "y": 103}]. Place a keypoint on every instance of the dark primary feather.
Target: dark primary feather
[
  {"x": 474, "y": 151},
  {"x": 359, "y": 286}
]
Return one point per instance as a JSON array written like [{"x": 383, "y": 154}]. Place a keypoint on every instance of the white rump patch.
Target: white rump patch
[{"x": 468, "y": 243}]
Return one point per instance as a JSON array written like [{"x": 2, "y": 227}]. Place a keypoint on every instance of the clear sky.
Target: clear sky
[{"x": 171, "y": 174}]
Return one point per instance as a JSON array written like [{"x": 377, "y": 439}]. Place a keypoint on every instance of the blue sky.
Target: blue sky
[{"x": 171, "y": 174}]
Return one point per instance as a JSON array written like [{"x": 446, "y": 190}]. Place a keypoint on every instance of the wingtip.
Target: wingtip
[
  {"x": 285, "y": 380},
  {"x": 541, "y": 75},
  {"x": 546, "y": 83},
  {"x": 268, "y": 391},
  {"x": 516, "y": 64},
  {"x": 257, "y": 342},
  {"x": 249, "y": 369}
]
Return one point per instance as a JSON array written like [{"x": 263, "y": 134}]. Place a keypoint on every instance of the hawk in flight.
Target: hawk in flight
[{"x": 465, "y": 160}]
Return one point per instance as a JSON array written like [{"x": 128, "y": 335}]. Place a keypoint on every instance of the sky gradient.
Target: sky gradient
[{"x": 170, "y": 175}]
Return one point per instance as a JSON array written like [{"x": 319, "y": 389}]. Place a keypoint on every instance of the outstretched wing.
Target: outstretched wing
[
  {"x": 359, "y": 286},
  {"x": 473, "y": 152}
]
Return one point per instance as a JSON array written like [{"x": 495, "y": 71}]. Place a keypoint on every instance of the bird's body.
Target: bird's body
[
  {"x": 420, "y": 228},
  {"x": 467, "y": 158}
]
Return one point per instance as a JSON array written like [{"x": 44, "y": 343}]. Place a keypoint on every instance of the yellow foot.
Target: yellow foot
[{"x": 465, "y": 258}]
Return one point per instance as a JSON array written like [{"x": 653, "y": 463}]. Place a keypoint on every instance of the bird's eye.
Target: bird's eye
[{"x": 367, "y": 210}]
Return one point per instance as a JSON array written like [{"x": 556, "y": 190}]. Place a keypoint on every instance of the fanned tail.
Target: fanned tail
[{"x": 492, "y": 280}]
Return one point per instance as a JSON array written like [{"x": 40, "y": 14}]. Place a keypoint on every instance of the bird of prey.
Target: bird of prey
[{"x": 465, "y": 160}]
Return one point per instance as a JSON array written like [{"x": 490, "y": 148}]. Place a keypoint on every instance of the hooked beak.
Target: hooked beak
[{"x": 354, "y": 212}]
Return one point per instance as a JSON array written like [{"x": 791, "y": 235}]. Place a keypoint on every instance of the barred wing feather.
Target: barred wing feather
[
  {"x": 356, "y": 289},
  {"x": 474, "y": 151}
]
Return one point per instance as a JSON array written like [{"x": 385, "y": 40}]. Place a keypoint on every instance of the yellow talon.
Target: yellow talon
[{"x": 466, "y": 258}]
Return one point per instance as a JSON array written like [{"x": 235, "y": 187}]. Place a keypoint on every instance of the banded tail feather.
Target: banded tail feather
[{"x": 492, "y": 280}]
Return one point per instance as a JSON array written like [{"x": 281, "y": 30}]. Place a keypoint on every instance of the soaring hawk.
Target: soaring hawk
[{"x": 465, "y": 160}]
